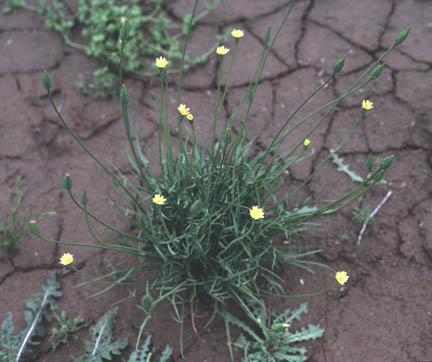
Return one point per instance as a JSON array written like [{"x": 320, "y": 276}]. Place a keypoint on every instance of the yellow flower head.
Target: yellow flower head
[
  {"x": 342, "y": 277},
  {"x": 66, "y": 259},
  {"x": 159, "y": 199},
  {"x": 366, "y": 104},
  {"x": 161, "y": 62},
  {"x": 222, "y": 50},
  {"x": 183, "y": 110},
  {"x": 123, "y": 19},
  {"x": 306, "y": 142},
  {"x": 237, "y": 33},
  {"x": 256, "y": 212},
  {"x": 190, "y": 117}
]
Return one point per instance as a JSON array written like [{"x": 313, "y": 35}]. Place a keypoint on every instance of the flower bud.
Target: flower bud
[
  {"x": 124, "y": 31},
  {"x": 339, "y": 65},
  {"x": 67, "y": 182},
  {"x": 46, "y": 80},
  {"x": 402, "y": 36},
  {"x": 386, "y": 162},
  {"x": 124, "y": 96},
  {"x": 34, "y": 228},
  {"x": 84, "y": 199},
  {"x": 196, "y": 207},
  {"x": 377, "y": 71},
  {"x": 153, "y": 96},
  {"x": 147, "y": 302}
]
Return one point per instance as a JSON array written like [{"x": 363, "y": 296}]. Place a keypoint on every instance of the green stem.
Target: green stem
[
  {"x": 331, "y": 153},
  {"x": 216, "y": 113},
  {"x": 85, "y": 148},
  {"x": 180, "y": 77}
]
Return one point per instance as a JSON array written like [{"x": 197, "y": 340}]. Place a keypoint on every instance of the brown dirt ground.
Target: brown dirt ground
[{"x": 384, "y": 313}]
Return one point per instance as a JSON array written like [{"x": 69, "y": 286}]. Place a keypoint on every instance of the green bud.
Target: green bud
[
  {"x": 67, "y": 182},
  {"x": 267, "y": 36},
  {"x": 34, "y": 228},
  {"x": 124, "y": 31},
  {"x": 46, "y": 80},
  {"x": 377, "y": 71},
  {"x": 369, "y": 164},
  {"x": 153, "y": 96},
  {"x": 179, "y": 117},
  {"x": 339, "y": 65},
  {"x": 277, "y": 326},
  {"x": 124, "y": 96},
  {"x": 402, "y": 36},
  {"x": 386, "y": 162},
  {"x": 147, "y": 302},
  {"x": 115, "y": 182},
  {"x": 84, "y": 199},
  {"x": 196, "y": 207}
]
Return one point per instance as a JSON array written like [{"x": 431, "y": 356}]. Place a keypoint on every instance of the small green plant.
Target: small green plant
[
  {"x": 275, "y": 341},
  {"x": 152, "y": 33},
  {"x": 38, "y": 309},
  {"x": 66, "y": 329},
  {"x": 208, "y": 219},
  {"x": 146, "y": 353},
  {"x": 13, "y": 229},
  {"x": 102, "y": 347},
  {"x": 362, "y": 214}
]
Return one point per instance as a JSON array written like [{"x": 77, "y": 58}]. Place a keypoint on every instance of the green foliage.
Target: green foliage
[
  {"x": 13, "y": 229},
  {"x": 151, "y": 32},
  {"x": 65, "y": 330},
  {"x": 341, "y": 167},
  {"x": 191, "y": 215},
  {"x": 102, "y": 345},
  {"x": 38, "y": 309},
  {"x": 362, "y": 214},
  {"x": 275, "y": 342},
  {"x": 145, "y": 353}
]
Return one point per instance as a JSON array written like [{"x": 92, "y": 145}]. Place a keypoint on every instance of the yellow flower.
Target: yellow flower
[
  {"x": 222, "y": 50},
  {"x": 183, "y": 110},
  {"x": 306, "y": 142},
  {"x": 123, "y": 19},
  {"x": 158, "y": 199},
  {"x": 256, "y": 213},
  {"x": 366, "y": 104},
  {"x": 190, "y": 117},
  {"x": 66, "y": 259},
  {"x": 237, "y": 33},
  {"x": 161, "y": 62},
  {"x": 342, "y": 277}
]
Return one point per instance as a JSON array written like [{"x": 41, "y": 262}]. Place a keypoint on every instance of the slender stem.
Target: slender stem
[
  {"x": 180, "y": 77},
  {"x": 160, "y": 126},
  {"x": 94, "y": 217},
  {"x": 331, "y": 153},
  {"x": 131, "y": 145},
  {"x": 216, "y": 113},
  {"x": 85, "y": 148}
]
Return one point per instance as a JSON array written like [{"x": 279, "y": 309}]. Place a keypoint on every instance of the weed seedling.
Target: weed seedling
[{"x": 13, "y": 230}]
